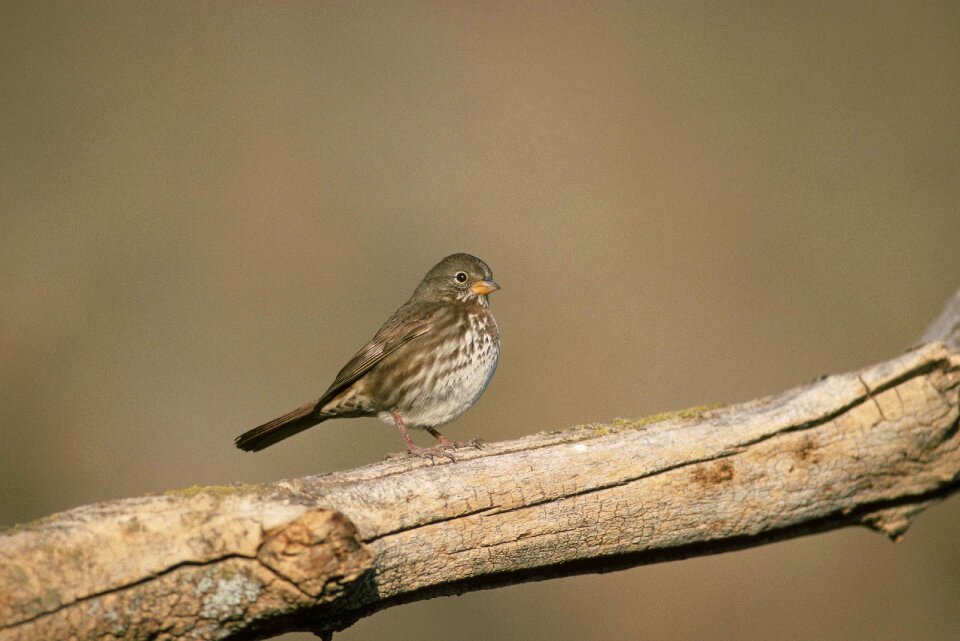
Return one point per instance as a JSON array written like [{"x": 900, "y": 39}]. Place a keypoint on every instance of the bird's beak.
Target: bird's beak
[{"x": 483, "y": 287}]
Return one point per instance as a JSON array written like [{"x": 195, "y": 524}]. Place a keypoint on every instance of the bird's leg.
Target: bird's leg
[
  {"x": 413, "y": 448},
  {"x": 443, "y": 441},
  {"x": 398, "y": 421}
]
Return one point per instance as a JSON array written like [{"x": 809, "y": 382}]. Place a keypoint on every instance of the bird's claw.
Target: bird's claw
[
  {"x": 447, "y": 444},
  {"x": 431, "y": 452}
]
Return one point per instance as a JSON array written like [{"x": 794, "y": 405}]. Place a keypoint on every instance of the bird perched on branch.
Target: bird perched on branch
[{"x": 426, "y": 366}]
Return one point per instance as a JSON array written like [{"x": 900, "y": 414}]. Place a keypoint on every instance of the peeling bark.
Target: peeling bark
[{"x": 873, "y": 447}]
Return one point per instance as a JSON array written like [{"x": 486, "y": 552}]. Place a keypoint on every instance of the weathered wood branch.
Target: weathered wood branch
[{"x": 872, "y": 447}]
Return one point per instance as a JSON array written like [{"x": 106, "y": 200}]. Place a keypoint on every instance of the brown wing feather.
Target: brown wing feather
[
  {"x": 407, "y": 324},
  {"x": 404, "y": 326}
]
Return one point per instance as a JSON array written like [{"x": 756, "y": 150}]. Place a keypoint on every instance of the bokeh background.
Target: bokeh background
[{"x": 206, "y": 208}]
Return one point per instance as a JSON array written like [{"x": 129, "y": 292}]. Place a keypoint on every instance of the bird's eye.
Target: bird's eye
[{"x": 461, "y": 277}]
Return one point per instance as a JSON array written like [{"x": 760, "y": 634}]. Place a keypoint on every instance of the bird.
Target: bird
[{"x": 428, "y": 363}]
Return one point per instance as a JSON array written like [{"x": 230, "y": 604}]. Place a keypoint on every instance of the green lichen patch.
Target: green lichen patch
[
  {"x": 30, "y": 525},
  {"x": 690, "y": 413},
  {"x": 217, "y": 491},
  {"x": 622, "y": 424},
  {"x": 17, "y": 576}
]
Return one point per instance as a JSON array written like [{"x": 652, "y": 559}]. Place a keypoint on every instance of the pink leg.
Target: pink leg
[
  {"x": 413, "y": 448},
  {"x": 398, "y": 420},
  {"x": 444, "y": 442}
]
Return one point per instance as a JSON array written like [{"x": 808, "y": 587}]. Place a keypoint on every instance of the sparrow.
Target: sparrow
[{"x": 428, "y": 363}]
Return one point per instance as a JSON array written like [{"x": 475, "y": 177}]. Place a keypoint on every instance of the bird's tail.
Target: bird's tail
[{"x": 279, "y": 428}]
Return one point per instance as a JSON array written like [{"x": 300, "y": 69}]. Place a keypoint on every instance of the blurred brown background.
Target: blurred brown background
[{"x": 207, "y": 208}]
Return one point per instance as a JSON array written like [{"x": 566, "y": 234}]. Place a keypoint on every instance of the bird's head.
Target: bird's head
[{"x": 459, "y": 277}]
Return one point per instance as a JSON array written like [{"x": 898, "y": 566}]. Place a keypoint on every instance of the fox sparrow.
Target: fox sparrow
[{"x": 426, "y": 366}]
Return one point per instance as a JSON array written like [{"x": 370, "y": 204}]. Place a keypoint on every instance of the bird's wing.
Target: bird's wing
[{"x": 395, "y": 333}]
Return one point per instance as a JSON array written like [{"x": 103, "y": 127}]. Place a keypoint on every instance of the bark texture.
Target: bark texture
[{"x": 872, "y": 447}]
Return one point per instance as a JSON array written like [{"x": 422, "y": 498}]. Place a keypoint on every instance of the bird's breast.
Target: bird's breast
[{"x": 458, "y": 362}]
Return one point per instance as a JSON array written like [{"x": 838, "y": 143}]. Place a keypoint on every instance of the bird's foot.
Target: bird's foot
[
  {"x": 430, "y": 452},
  {"x": 444, "y": 443}
]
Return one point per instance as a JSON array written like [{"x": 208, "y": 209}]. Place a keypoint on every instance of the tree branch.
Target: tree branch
[{"x": 872, "y": 447}]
